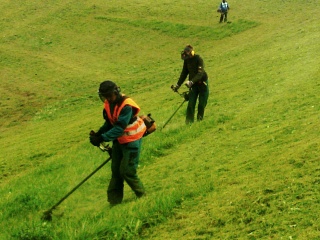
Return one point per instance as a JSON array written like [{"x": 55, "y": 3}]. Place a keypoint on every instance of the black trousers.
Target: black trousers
[
  {"x": 224, "y": 16},
  {"x": 201, "y": 92}
]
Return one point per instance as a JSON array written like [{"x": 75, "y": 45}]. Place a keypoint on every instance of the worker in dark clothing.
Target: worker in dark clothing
[
  {"x": 125, "y": 129},
  {"x": 223, "y": 10},
  {"x": 198, "y": 83}
]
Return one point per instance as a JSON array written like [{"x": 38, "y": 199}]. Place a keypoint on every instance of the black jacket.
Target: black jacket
[{"x": 194, "y": 67}]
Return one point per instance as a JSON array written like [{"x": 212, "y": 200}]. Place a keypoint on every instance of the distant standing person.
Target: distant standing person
[
  {"x": 193, "y": 66},
  {"x": 125, "y": 129},
  {"x": 223, "y": 10}
]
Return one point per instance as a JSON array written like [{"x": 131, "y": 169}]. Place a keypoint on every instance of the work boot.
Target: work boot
[
  {"x": 140, "y": 195},
  {"x": 115, "y": 196}
]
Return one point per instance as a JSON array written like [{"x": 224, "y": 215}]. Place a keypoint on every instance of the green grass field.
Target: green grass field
[{"x": 250, "y": 170}]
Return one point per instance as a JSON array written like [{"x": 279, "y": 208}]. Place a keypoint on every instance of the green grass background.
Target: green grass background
[{"x": 250, "y": 170}]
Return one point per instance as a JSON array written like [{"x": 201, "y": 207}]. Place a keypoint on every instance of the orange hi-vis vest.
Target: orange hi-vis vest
[{"x": 133, "y": 131}]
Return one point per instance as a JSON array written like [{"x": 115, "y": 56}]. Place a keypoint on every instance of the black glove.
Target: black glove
[{"x": 95, "y": 140}]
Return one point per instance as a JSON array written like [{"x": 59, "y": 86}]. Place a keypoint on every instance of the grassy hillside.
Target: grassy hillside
[{"x": 250, "y": 170}]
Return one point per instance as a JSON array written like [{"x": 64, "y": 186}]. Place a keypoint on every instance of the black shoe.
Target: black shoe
[{"x": 140, "y": 195}]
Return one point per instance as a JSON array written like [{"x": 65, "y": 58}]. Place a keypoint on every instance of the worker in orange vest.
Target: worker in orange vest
[{"x": 125, "y": 129}]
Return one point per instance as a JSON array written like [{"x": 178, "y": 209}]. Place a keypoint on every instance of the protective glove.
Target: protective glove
[
  {"x": 175, "y": 88},
  {"x": 95, "y": 139},
  {"x": 189, "y": 84}
]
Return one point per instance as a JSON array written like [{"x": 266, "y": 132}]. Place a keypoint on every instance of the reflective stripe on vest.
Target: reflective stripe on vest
[{"x": 133, "y": 131}]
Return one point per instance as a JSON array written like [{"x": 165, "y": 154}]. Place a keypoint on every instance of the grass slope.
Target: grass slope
[{"x": 249, "y": 171}]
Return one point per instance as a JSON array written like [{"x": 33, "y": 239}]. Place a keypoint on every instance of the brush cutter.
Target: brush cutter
[
  {"x": 185, "y": 96},
  {"x": 47, "y": 215}
]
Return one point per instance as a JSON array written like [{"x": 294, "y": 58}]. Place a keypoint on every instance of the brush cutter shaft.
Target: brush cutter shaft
[
  {"x": 76, "y": 187},
  {"x": 173, "y": 114}
]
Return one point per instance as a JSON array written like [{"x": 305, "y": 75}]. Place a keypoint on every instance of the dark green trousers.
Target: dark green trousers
[
  {"x": 200, "y": 91},
  {"x": 125, "y": 159}
]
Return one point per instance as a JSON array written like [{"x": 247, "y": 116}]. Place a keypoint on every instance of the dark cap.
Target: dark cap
[{"x": 107, "y": 87}]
